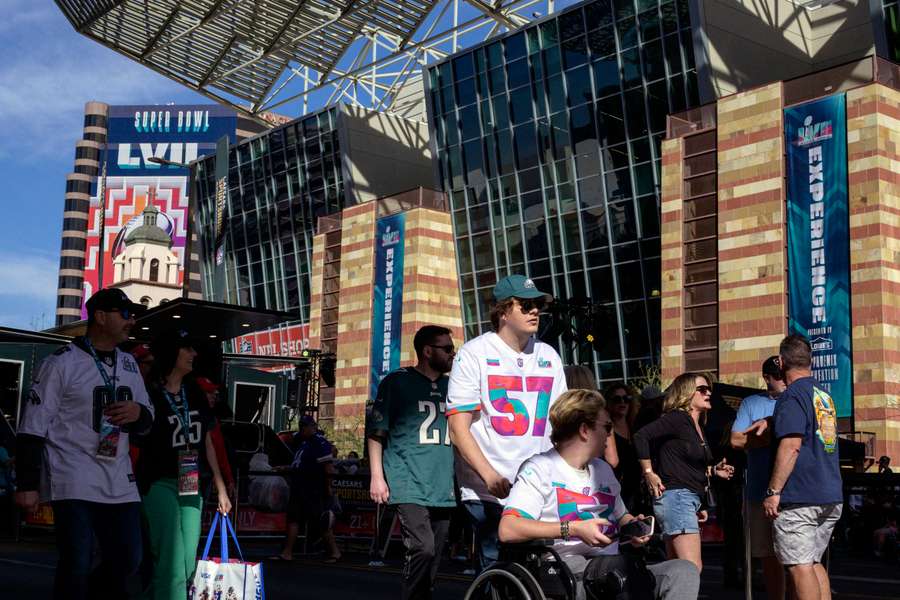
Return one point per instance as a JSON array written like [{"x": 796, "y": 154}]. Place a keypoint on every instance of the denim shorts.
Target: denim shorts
[{"x": 676, "y": 512}]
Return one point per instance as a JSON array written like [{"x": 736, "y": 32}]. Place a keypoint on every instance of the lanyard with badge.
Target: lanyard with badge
[
  {"x": 188, "y": 459},
  {"x": 108, "y": 446}
]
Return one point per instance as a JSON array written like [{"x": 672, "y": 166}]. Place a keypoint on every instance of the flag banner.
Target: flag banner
[{"x": 819, "y": 241}]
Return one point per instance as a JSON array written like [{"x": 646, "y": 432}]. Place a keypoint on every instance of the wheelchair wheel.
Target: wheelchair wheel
[{"x": 509, "y": 581}]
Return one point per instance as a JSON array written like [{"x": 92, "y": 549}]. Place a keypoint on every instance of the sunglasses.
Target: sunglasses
[
  {"x": 526, "y": 306},
  {"x": 126, "y": 313},
  {"x": 449, "y": 348},
  {"x": 620, "y": 399},
  {"x": 704, "y": 389}
]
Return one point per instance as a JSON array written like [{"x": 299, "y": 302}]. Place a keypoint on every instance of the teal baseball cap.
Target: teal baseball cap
[{"x": 518, "y": 286}]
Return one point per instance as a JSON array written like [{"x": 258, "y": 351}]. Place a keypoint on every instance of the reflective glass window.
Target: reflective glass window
[
  {"x": 598, "y": 14},
  {"x": 515, "y": 46},
  {"x": 574, "y": 52},
  {"x": 578, "y": 82},
  {"x": 526, "y": 147},
  {"x": 468, "y": 118},
  {"x": 520, "y": 104},
  {"x": 465, "y": 92}
]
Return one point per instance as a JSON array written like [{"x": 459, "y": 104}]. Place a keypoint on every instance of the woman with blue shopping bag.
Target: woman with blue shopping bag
[
  {"x": 168, "y": 469},
  {"x": 223, "y": 578}
]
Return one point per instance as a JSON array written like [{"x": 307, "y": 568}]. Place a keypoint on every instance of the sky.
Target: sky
[{"x": 47, "y": 75}]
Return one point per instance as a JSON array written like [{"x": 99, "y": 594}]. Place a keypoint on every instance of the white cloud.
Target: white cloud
[
  {"x": 49, "y": 73},
  {"x": 28, "y": 293}
]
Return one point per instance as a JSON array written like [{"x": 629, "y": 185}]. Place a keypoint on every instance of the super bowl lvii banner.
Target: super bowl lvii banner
[
  {"x": 387, "y": 305},
  {"x": 819, "y": 241}
]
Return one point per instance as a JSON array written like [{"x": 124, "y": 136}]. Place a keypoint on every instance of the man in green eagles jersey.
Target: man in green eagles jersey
[{"x": 411, "y": 459}]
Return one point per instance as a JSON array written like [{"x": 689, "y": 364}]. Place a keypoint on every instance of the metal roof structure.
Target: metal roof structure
[{"x": 260, "y": 55}]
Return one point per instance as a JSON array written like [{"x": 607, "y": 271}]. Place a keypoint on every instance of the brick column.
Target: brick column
[
  {"x": 315, "y": 291},
  {"x": 751, "y": 232},
  {"x": 672, "y": 298},
  {"x": 354, "y": 336},
  {"x": 873, "y": 152},
  {"x": 430, "y": 279}
]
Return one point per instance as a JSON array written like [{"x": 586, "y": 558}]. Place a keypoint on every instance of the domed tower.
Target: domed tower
[{"x": 148, "y": 269}]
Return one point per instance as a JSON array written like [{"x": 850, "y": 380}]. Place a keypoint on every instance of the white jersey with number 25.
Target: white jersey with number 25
[{"x": 510, "y": 393}]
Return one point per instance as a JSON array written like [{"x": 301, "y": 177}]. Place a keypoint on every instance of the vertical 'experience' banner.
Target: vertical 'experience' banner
[
  {"x": 819, "y": 240},
  {"x": 387, "y": 307}
]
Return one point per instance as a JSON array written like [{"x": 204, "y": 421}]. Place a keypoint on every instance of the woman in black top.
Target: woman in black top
[
  {"x": 169, "y": 464},
  {"x": 678, "y": 474},
  {"x": 623, "y": 406}
]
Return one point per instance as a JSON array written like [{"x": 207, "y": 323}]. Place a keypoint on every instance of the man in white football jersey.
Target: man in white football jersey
[
  {"x": 501, "y": 388},
  {"x": 72, "y": 443}
]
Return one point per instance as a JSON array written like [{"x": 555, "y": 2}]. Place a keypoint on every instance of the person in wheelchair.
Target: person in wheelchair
[{"x": 572, "y": 496}]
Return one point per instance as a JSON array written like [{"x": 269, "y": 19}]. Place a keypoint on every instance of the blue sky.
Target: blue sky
[{"x": 47, "y": 75}]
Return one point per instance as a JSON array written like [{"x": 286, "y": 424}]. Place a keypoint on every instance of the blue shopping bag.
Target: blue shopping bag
[{"x": 225, "y": 578}]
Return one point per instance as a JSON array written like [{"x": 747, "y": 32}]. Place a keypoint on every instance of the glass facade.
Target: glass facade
[
  {"x": 280, "y": 183},
  {"x": 548, "y": 145}
]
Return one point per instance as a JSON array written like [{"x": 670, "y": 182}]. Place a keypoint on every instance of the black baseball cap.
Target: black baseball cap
[
  {"x": 110, "y": 299},
  {"x": 770, "y": 367}
]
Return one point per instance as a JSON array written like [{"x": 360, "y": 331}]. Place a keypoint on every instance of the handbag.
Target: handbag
[
  {"x": 710, "y": 499},
  {"x": 226, "y": 578}
]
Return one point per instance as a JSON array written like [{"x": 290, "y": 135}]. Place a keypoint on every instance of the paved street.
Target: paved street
[{"x": 26, "y": 570}]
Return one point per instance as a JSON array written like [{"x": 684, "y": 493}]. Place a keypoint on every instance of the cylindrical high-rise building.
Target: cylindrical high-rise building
[{"x": 88, "y": 155}]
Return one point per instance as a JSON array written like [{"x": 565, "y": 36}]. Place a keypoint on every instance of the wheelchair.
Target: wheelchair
[
  {"x": 535, "y": 571},
  {"x": 528, "y": 571}
]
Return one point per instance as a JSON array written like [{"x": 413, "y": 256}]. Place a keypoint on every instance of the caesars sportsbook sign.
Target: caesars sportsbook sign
[{"x": 819, "y": 240}]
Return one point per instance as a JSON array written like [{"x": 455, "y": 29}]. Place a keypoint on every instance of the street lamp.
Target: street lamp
[{"x": 165, "y": 161}]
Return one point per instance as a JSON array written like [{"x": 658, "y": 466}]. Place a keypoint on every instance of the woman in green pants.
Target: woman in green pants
[{"x": 169, "y": 464}]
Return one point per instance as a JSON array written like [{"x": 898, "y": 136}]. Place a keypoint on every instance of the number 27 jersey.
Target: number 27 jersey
[{"x": 511, "y": 393}]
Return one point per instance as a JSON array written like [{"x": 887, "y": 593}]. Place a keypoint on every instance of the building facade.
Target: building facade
[
  {"x": 122, "y": 138},
  {"x": 281, "y": 182},
  {"x": 547, "y": 142},
  {"x": 284, "y": 187},
  {"x": 729, "y": 284}
]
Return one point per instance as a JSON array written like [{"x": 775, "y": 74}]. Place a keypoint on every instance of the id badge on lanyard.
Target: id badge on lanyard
[
  {"x": 188, "y": 473},
  {"x": 108, "y": 445}
]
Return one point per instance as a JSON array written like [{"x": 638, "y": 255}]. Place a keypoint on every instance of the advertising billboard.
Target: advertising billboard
[
  {"x": 129, "y": 180},
  {"x": 819, "y": 241},
  {"x": 387, "y": 303}
]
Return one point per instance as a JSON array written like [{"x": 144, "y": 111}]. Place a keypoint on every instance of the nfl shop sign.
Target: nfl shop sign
[{"x": 287, "y": 341}]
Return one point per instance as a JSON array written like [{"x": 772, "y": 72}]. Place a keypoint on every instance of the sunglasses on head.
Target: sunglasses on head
[
  {"x": 704, "y": 389},
  {"x": 448, "y": 348},
  {"x": 526, "y": 306}
]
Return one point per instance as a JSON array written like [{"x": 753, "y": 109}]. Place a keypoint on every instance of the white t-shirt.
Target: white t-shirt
[
  {"x": 549, "y": 489},
  {"x": 511, "y": 393},
  {"x": 64, "y": 407}
]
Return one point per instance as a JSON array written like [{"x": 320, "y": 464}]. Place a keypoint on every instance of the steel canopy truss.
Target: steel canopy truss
[{"x": 261, "y": 55}]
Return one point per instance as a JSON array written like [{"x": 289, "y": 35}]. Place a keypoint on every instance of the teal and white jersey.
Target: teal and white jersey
[{"x": 408, "y": 415}]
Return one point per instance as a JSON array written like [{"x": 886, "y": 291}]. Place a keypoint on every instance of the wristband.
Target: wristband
[
  {"x": 564, "y": 530},
  {"x": 648, "y": 470}
]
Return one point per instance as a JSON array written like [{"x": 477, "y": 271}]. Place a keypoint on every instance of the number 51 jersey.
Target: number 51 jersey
[{"x": 510, "y": 393}]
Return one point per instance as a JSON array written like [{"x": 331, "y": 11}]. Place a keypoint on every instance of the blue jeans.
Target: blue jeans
[
  {"x": 117, "y": 528},
  {"x": 485, "y": 517},
  {"x": 676, "y": 512}
]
